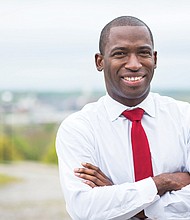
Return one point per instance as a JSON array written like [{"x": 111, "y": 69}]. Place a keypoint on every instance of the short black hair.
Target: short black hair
[{"x": 120, "y": 21}]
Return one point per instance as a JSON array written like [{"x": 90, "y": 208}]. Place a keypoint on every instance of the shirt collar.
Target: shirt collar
[{"x": 115, "y": 109}]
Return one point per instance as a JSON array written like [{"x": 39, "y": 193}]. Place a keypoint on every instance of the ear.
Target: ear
[
  {"x": 99, "y": 61},
  {"x": 155, "y": 59}
]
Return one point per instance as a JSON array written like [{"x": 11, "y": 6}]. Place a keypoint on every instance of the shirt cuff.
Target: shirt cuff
[{"x": 147, "y": 190}]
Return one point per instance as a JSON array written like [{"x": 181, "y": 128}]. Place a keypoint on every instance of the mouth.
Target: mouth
[{"x": 133, "y": 78}]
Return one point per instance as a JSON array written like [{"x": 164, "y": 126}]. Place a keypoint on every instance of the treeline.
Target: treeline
[{"x": 35, "y": 142}]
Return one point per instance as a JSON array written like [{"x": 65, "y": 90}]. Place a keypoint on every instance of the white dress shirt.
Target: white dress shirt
[{"x": 100, "y": 135}]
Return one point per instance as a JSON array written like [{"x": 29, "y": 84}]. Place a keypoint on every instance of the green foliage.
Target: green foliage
[
  {"x": 28, "y": 142},
  {"x": 7, "y": 150},
  {"x": 50, "y": 156},
  {"x": 23, "y": 147}
]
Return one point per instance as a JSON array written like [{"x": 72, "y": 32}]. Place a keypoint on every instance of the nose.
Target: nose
[{"x": 132, "y": 63}]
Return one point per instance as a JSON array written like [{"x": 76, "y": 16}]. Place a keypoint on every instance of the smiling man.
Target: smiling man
[
  {"x": 126, "y": 156},
  {"x": 128, "y": 60}
]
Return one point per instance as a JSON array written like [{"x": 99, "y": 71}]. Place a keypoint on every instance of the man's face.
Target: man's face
[{"x": 128, "y": 63}]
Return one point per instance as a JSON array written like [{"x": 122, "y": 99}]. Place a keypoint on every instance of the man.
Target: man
[{"x": 100, "y": 137}]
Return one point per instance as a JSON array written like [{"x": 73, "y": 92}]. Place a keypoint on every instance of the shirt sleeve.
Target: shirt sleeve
[
  {"x": 119, "y": 202},
  {"x": 173, "y": 205}
]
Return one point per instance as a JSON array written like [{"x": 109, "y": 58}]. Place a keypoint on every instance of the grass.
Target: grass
[{"x": 5, "y": 179}]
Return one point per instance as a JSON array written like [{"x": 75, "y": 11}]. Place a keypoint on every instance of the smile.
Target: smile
[{"x": 133, "y": 79}]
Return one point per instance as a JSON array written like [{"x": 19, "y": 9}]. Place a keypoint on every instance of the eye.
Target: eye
[
  {"x": 119, "y": 54},
  {"x": 145, "y": 53}
]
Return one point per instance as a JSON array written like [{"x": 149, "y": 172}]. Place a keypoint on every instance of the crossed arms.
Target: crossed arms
[{"x": 165, "y": 182}]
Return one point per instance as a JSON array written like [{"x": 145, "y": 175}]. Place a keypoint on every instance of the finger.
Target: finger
[
  {"x": 91, "y": 184},
  {"x": 86, "y": 171},
  {"x": 95, "y": 171},
  {"x": 89, "y": 166},
  {"x": 90, "y": 172},
  {"x": 92, "y": 167},
  {"x": 95, "y": 174},
  {"x": 90, "y": 178}
]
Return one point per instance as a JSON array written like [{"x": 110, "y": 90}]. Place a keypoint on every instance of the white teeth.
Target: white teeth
[{"x": 137, "y": 78}]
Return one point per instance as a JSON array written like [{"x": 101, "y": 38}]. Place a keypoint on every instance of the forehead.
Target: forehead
[{"x": 129, "y": 35}]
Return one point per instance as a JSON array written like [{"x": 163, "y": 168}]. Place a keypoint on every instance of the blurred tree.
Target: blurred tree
[
  {"x": 7, "y": 151},
  {"x": 50, "y": 156},
  {"x": 28, "y": 142}
]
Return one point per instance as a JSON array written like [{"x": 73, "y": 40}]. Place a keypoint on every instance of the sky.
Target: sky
[{"x": 49, "y": 45}]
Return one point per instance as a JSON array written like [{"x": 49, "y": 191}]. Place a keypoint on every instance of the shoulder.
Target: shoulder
[
  {"x": 86, "y": 116},
  {"x": 167, "y": 101},
  {"x": 171, "y": 106}
]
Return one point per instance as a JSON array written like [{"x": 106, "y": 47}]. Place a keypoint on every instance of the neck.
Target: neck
[{"x": 130, "y": 101}]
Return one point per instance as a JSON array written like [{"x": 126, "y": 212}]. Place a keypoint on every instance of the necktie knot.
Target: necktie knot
[{"x": 134, "y": 115}]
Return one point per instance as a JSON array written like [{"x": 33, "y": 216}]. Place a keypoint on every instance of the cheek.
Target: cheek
[
  {"x": 149, "y": 68},
  {"x": 108, "y": 71}
]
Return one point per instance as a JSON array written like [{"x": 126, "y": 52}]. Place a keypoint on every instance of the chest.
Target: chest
[{"x": 114, "y": 150}]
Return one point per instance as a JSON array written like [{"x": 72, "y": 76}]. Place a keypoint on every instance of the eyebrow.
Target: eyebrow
[
  {"x": 118, "y": 48},
  {"x": 125, "y": 48}
]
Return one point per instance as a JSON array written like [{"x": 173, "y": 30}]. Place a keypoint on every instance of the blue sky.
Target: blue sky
[{"x": 50, "y": 44}]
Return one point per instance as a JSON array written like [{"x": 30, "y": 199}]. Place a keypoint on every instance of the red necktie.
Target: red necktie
[{"x": 140, "y": 146}]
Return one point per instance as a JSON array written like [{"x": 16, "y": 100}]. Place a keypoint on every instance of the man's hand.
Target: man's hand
[
  {"x": 167, "y": 182},
  {"x": 92, "y": 175}
]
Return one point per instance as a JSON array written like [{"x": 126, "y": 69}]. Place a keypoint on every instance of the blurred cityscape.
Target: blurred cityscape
[
  {"x": 52, "y": 107},
  {"x": 41, "y": 107}
]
